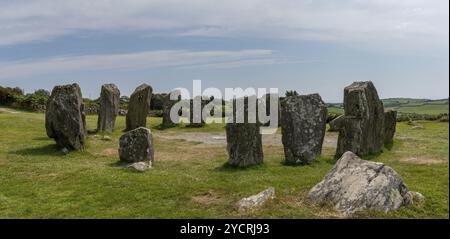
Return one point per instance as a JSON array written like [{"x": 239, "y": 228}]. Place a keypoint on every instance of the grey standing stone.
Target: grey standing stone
[
  {"x": 195, "y": 119},
  {"x": 362, "y": 131},
  {"x": 390, "y": 123},
  {"x": 244, "y": 144},
  {"x": 355, "y": 185},
  {"x": 64, "y": 117},
  {"x": 136, "y": 146},
  {"x": 138, "y": 107},
  {"x": 109, "y": 107},
  {"x": 303, "y": 125},
  {"x": 167, "y": 106},
  {"x": 336, "y": 124}
]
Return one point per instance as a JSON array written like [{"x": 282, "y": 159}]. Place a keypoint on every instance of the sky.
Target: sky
[{"x": 309, "y": 46}]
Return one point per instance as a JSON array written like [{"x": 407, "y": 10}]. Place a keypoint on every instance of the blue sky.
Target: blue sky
[{"x": 310, "y": 46}]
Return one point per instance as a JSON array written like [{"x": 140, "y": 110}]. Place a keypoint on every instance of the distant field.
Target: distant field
[{"x": 406, "y": 105}]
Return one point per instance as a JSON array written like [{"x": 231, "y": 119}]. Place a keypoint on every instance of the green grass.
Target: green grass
[{"x": 189, "y": 179}]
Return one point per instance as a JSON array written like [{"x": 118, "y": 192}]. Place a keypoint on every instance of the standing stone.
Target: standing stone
[
  {"x": 336, "y": 124},
  {"x": 244, "y": 144},
  {"x": 109, "y": 108},
  {"x": 138, "y": 107},
  {"x": 199, "y": 122},
  {"x": 390, "y": 122},
  {"x": 167, "y": 106},
  {"x": 303, "y": 125},
  {"x": 355, "y": 185},
  {"x": 64, "y": 118},
  {"x": 265, "y": 100},
  {"x": 362, "y": 131},
  {"x": 136, "y": 146}
]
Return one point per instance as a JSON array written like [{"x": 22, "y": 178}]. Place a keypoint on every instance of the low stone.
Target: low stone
[
  {"x": 252, "y": 202},
  {"x": 136, "y": 146},
  {"x": 139, "y": 166},
  {"x": 336, "y": 124},
  {"x": 64, "y": 150},
  {"x": 355, "y": 185},
  {"x": 418, "y": 127},
  {"x": 106, "y": 138}
]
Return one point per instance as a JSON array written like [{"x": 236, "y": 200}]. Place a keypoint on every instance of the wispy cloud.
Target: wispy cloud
[
  {"x": 182, "y": 59},
  {"x": 348, "y": 21}
]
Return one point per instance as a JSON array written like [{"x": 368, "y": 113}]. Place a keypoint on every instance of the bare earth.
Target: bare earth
[{"x": 220, "y": 138}]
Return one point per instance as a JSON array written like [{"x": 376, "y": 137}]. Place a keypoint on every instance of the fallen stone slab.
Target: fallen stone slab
[
  {"x": 139, "y": 166},
  {"x": 252, "y": 202},
  {"x": 355, "y": 185}
]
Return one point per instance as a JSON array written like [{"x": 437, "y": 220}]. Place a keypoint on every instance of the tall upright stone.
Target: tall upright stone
[
  {"x": 244, "y": 143},
  {"x": 64, "y": 117},
  {"x": 303, "y": 125},
  {"x": 390, "y": 123},
  {"x": 167, "y": 106},
  {"x": 109, "y": 107},
  {"x": 138, "y": 107},
  {"x": 195, "y": 117},
  {"x": 362, "y": 131}
]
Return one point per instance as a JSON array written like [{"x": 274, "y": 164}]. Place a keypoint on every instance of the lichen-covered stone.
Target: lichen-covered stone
[
  {"x": 355, "y": 185},
  {"x": 303, "y": 125},
  {"x": 64, "y": 117},
  {"x": 167, "y": 106},
  {"x": 244, "y": 143},
  {"x": 109, "y": 107},
  {"x": 390, "y": 123},
  {"x": 138, "y": 107},
  {"x": 136, "y": 146},
  {"x": 252, "y": 202},
  {"x": 362, "y": 131}
]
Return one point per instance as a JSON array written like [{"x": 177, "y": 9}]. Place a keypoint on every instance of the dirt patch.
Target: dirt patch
[
  {"x": 330, "y": 140},
  {"x": 422, "y": 161},
  {"x": 4, "y": 110},
  {"x": 109, "y": 152},
  {"x": 206, "y": 199}
]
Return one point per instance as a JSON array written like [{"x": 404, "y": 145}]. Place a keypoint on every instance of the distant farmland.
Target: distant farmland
[{"x": 406, "y": 105}]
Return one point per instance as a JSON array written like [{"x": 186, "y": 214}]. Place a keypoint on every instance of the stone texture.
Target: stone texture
[
  {"x": 167, "y": 106},
  {"x": 136, "y": 146},
  {"x": 336, "y": 124},
  {"x": 355, "y": 185},
  {"x": 64, "y": 118},
  {"x": 362, "y": 131},
  {"x": 390, "y": 123},
  {"x": 303, "y": 125},
  {"x": 109, "y": 108},
  {"x": 138, "y": 107},
  {"x": 244, "y": 144},
  {"x": 252, "y": 202}
]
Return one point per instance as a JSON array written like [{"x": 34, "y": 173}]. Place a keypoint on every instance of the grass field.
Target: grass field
[{"x": 189, "y": 179}]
